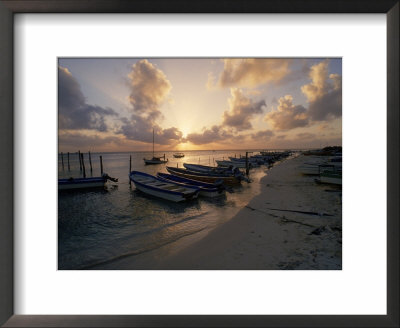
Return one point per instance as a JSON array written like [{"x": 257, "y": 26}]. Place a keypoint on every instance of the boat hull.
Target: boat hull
[
  {"x": 331, "y": 178},
  {"x": 153, "y": 186},
  {"x": 205, "y": 178},
  {"x": 152, "y": 162},
  {"x": 85, "y": 183},
  {"x": 206, "y": 189},
  {"x": 234, "y": 164}
]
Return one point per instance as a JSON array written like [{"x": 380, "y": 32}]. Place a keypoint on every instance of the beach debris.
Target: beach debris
[
  {"x": 317, "y": 231},
  {"x": 285, "y": 220},
  {"x": 325, "y": 228},
  {"x": 302, "y": 212}
]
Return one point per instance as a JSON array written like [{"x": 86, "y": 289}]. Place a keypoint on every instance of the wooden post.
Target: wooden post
[
  {"x": 130, "y": 169},
  {"x": 90, "y": 162},
  {"x": 80, "y": 160},
  {"x": 62, "y": 161},
  {"x": 69, "y": 169},
  {"x": 101, "y": 165},
  {"x": 83, "y": 167},
  {"x": 176, "y": 165},
  {"x": 247, "y": 164}
]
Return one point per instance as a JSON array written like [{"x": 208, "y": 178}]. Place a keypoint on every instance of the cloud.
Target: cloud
[
  {"x": 250, "y": 72},
  {"x": 241, "y": 110},
  {"x": 287, "y": 116},
  {"x": 141, "y": 129},
  {"x": 78, "y": 140},
  {"x": 263, "y": 135},
  {"x": 213, "y": 134},
  {"x": 73, "y": 110},
  {"x": 324, "y": 93},
  {"x": 149, "y": 88},
  {"x": 306, "y": 135}
]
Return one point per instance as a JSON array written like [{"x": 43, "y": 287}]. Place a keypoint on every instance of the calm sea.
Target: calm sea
[{"x": 100, "y": 227}]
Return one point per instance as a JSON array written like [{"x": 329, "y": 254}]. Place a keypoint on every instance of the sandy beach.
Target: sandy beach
[
  {"x": 265, "y": 234},
  {"x": 261, "y": 238}
]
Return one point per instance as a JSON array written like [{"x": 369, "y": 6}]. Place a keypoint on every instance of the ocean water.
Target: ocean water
[{"x": 101, "y": 227}]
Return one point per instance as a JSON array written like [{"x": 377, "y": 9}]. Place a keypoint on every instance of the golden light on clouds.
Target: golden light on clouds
[{"x": 198, "y": 103}]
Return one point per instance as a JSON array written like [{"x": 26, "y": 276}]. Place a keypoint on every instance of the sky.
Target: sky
[{"x": 113, "y": 104}]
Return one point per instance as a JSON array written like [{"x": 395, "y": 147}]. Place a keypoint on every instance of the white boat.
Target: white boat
[
  {"x": 81, "y": 183},
  {"x": 316, "y": 169},
  {"x": 253, "y": 161},
  {"x": 206, "y": 189},
  {"x": 331, "y": 177},
  {"x": 154, "y": 159},
  {"x": 84, "y": 183},
  {"x": 179, "y": 155},
  {"x": 153, "y": 186},
  {"x": 233, "y": 164},
  {"x": 208, "y": 169}
]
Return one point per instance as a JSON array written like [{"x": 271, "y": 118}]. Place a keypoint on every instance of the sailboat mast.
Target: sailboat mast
[{"x": 153, "y": 142}]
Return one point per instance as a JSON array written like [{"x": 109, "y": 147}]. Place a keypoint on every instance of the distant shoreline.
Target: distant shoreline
[{"x": 192, "y": 150}]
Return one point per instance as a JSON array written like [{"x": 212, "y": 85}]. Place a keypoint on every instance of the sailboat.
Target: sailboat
[{"x": 155, "y": 160}]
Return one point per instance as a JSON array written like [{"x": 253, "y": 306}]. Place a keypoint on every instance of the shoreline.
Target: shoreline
[{"x": 259, "y": 238}]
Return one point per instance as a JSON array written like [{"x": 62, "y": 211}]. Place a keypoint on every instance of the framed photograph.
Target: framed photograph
[{"x": 175, "y": 165}]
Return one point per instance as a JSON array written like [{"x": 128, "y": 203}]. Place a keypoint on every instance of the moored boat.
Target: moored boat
[
  {"x": 179, "y": 155},
  {"x": 84, "y": 183},
  {"x": 331, "y": 177},
  {"x": 154, "y": 159},
  {"x": 203, "y": 176},
  {"x": 209, "y": 169},
  {"x": 234, "y": 164},
  {"x": 154, "y": 186},
  {"x": 206, "y": 189}
]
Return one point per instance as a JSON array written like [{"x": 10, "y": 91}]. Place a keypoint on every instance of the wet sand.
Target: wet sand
[{"x": 259, "y": 237}]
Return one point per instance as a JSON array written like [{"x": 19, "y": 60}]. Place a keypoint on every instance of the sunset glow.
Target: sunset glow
[{"x": 114, "y": 104}]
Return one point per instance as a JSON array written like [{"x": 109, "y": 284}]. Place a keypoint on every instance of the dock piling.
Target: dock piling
[
  {"x": 83, "y": 166},
  {"x": 247, "y": 164},
  {"x": 130, "y": 169},
  {"x": 101, "y": 165},
  {"x": 80, "y": 160},
  {"x": 90, "y": 162},
  {"x": 69, "y": 169}
]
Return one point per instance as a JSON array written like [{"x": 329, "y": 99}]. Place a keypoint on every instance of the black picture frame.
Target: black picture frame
[{"x": 10, "y": 7}]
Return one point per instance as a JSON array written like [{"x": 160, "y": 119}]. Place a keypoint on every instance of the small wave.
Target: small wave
[{"x": 137, "y": 252}]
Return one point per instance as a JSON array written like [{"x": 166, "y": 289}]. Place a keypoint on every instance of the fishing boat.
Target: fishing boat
[
  {"x": 331, "y": 177},
  {"x": 154, "y": 186},
  {"x": 234, "y": 164},
  {"x": 155, "y": 160},
  {"x": 209, "y": 169},
  {"x": 84, "y": 183},
  {"x": 206, "y": 189},
  {"x": 203, "y": 176},
  {"x": 253, "y": 161},
  {"x": 179, "y": 155}
]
